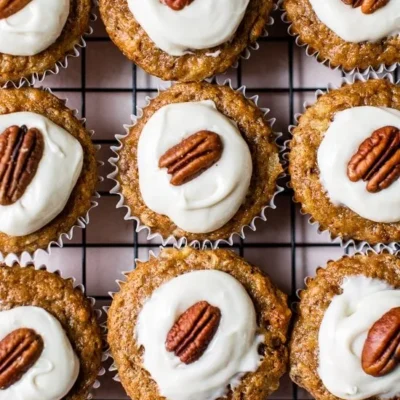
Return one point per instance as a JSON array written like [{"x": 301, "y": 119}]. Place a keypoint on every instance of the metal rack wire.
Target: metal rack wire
[{"x": 290, "y": 90}]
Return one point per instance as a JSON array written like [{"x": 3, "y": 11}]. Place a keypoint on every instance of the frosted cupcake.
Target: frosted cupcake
[
  {"x": 345, "y": 343},
  {"x": 184, "y": 40},
  {"x": 48, "y": 170},
  {"x": 37, "y": 34},
  {"x": 201, "y": 163},
  {"x": 344, "y": 162},
  {"x": 348, "y": 33},
  {"x": 202, "y": 325},
  {"x": 50, "y": 339}
]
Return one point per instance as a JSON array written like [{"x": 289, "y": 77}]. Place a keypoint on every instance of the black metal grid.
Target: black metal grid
[{"x": 290, "y": 90}]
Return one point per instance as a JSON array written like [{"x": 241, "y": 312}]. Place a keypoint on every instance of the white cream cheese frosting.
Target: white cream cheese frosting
[
  {"x": 210, "y": 200},
  {"x": 342, "y": 335},
  {"x": 232, "y": 352},
  {"x": 55, "y": 178},
  {"x": 56, "y": 370},
  {"x": 341, "y": 141},
  {"x": 201, "y": 25},
  {"x": 352, "y": 25},
  {"x": 34, "y": 28}
]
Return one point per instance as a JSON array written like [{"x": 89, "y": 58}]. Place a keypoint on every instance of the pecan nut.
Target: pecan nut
[
  {"x": 192, "y": 156},
  {"x": 176, "y": 5},
  {"x": 193, "y": 332},
  {"x": 11, "y": 7},
  {"x": 381, "y": 352},
  {"x": 19, "y": 351},
  {"x": 20, "y": 153},
  {"x": 377, "y": 160},
  {"x": 367, "y": 6}
]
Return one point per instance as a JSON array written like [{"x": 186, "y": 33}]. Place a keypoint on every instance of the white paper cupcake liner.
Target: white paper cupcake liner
[
  {"x": 246, "y": 54},
  {"x": 356, "y": 245},
  {"x": 310, "y": 52},
  {"x": 81, "y": 222},
  {"x": 36, "y": 78},
  {"x": 97, "y": 312},
  {"x": 184, "y": 241}
]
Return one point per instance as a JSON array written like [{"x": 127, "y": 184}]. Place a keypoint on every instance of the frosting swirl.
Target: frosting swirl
[
  {"x": 55, "y": 178},
  {"x": 352, "y": 25},
  {"x": 201, "y": 25},
  {"x": 342, "y": 335},
  {"x": 209, "y": 201},
  {"x": 231, "y": 353},
  {"x": 341, "y": 141},
  {"x": 56, "y": 370},
  {"x": 34, "y": 28}
]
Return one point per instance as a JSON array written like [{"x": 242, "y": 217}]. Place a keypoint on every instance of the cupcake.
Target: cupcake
[
  {"x": 37, "y": 34},
  {"x": 198, "y": 324},
  {"x": 344, "y": 161},
  {"x": 351, "y": 34},
  {"x": 48, "y": 170},
  {"x": 199, "y": 164},
  {"x": 345, "y": 343},
  {"x": 50, "y": 341},
  {"x": 185, "y": 40}
]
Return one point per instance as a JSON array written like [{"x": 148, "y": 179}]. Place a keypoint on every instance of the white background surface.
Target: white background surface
[{"x": 100, "y": 85}]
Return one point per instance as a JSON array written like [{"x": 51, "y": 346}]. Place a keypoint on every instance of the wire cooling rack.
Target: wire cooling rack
[{"x": 107, "y": 88}]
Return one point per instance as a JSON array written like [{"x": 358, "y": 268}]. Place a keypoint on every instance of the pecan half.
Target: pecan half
[
  {"x": 381, "y": 352},
  {"x": 377, "y": 160},
  {"x": 10, "y": 7},
  {"x": 20, "y": 153},
  {"x": 367, "y": 6},
  {"x": 193, "y": 332},
  {"x": 18, "y": 353},
  {"x": 192, "y": 156},
  {"x": 176, "y": 5}
]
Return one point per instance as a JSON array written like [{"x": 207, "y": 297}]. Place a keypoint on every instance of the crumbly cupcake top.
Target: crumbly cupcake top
[
  {"x": 48, "y": 170},
  {"x": 346, "y": 335},
  {"x": 178, "y": 26},
  {"x": 345, "y": 161},
  {"x": 348, "y": 33},
  {"x": 184, "y": 40},
  {"x": 28, "y": 27},
  {"x": 53, "y": 330},
  {"x": 206, "y": 325},
  {"x": 201, "y": 163}
]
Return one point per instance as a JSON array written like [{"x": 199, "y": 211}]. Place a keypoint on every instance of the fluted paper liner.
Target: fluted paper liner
[
  {"x": 184, "y": 241},
  {"x": 81, "y": 222},
  {"x": 357, "y": 245}
]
